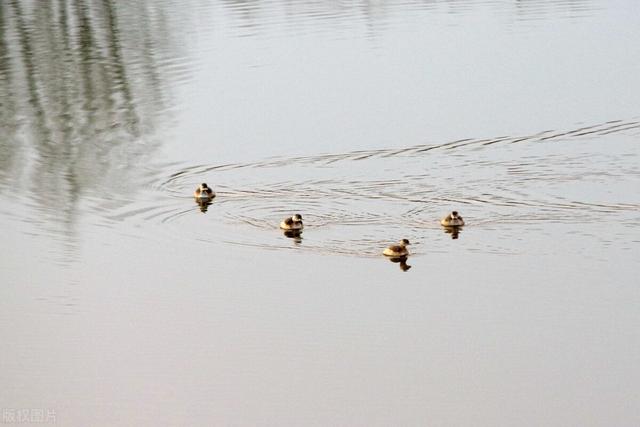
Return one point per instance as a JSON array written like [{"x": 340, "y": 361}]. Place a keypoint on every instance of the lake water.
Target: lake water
[{"x": 123, "y": 302}]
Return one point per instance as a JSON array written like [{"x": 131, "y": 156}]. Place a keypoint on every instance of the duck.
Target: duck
[
  {"x": 397, "y": 251},
  {"x": 293, "y": 223},
  {"x": 452, "y": 220},
  {"x": 203, "y": 192}
]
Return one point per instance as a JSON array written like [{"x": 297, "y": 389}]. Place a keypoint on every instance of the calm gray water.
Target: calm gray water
[{"x": 123, "y": 302}]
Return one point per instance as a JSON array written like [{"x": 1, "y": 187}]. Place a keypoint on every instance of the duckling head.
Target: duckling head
[
  {"x": 454, "y": 214},
  {"x": 404, "y": 242},
  {"x": 297, "y": 218}
]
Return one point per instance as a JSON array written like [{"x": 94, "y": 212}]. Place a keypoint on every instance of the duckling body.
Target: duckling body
[
  {"x": 203, "y": 192},
  {"x": 293, "y": 223},
  {"x": 396, "y": 251},
  {"x": 452, "y": 220}
]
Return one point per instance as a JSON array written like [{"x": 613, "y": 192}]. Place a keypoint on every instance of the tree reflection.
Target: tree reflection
[
  {"x": 253, "y": 17},
  {"x": 81, "y": 89}
]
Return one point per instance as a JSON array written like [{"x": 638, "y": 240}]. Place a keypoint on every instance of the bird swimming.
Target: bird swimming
[
  {"x": 399, "y": 250},
  {"x": 293, "y": 223},
  {"x": 204, "y": 192},
  {"x": 452, "y": 220}
]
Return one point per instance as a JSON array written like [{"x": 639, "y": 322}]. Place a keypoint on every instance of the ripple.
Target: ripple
[
  {"x": 602, "y": 129},
  {"x": 355, "y": 202}
]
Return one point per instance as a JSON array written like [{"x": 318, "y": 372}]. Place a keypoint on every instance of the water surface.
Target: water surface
[{"x": 126, "y": 303}]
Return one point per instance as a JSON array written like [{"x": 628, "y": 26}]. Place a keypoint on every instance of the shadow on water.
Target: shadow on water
[{"x": 82, "y": 85}]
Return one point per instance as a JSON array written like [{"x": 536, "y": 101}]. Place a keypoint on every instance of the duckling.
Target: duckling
[
  {"x": 292, "y": 223},
  {"x": 452, "y": 220},
  {"x": 397, "y": 251},
  {"x": 203, "y": 192}
]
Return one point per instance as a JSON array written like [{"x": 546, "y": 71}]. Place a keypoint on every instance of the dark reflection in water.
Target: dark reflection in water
[
  {"x": 295, "y": 235},
  {"x": 402, "y": 263},
  {"x": 81, "y": 86},
  {"x": 454, "y": 231},
  {"x": 203, "y": 205}
]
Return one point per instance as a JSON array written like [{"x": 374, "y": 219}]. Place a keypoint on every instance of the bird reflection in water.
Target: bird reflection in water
[
  {"x": 295, "y": 235},
  {"x": 204, "y": 204},
  {"x": 453, "y": 230},
  {"x": 402, "y": 261}
]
